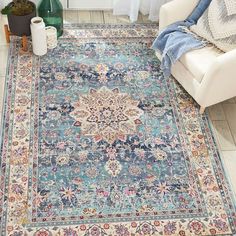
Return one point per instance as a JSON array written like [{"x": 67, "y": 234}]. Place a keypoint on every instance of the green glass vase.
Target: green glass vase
[{"x": 52, "y": 13}]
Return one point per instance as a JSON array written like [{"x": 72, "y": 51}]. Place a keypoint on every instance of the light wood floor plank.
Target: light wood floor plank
[
  {"x": 216, "y": 112},
  {"x": 140, "y": 18},
  {"x": 224, "y": 136},
  {"x": 229, "y": 161},
  {"x": 97, "y": 17},
  {"x": 109, "y": 18},
  {"x": 229, "y": 101},
  {"x": 84, "y": 17},
  {"x": 123, "y": 19},
  {"x": 71, "y": 16},
  {"x": 230, "y": 112},
  {"x": 3, "y": 21},
  {"x": 3, "y": 59},
  {"x": 145, "y": 19},
  {"x": 2, "y": 84}
]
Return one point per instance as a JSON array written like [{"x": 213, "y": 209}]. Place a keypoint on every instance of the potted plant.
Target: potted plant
[{"x": 19, "y": 14}]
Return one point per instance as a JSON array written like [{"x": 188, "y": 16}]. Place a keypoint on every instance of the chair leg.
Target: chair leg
[
  {"x": 24, "y": 39},
  {"x": 202, "y": 110},
  {"x": 24, "y": 43},
  {"x": 7, "y": 33}
]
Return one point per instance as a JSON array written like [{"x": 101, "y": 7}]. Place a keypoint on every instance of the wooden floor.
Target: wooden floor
[
  {"x": 223, "y": 115},
  {"x": 106, "y": 17}
]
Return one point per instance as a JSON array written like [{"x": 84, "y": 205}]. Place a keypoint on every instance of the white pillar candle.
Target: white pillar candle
[
  {"x": 39, "y": 40},
  {"x": 51, "y": 33}
]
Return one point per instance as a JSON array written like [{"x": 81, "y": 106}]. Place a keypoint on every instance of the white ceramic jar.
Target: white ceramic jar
[
  {"x": 51, "y": 33},
  {"x": 39, "y": 39}
]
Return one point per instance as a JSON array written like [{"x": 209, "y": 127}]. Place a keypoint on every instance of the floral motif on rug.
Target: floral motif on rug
[
  {"x": 96, "y": 141},
  {"x": 106, "y": 115}
]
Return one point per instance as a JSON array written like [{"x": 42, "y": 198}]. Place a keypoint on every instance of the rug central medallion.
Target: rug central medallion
[{"x": 107, "y": 114}]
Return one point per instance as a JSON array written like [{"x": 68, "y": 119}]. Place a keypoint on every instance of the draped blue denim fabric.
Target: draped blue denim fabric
[{"x": 174, "y": 41}]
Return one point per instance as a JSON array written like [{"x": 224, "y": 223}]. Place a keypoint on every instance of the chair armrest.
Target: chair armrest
[
  {"x": 175, "y": 10},
  {"x": 219, "y": 83}
]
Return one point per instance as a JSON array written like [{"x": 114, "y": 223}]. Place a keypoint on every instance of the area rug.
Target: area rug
[{"x": 96, "y": 142}]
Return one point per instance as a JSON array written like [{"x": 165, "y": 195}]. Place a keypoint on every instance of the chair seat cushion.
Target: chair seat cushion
[{"x": 199, "y": 61}]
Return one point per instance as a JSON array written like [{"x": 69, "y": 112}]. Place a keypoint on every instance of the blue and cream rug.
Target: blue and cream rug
[{"x": 96, "y": 142}]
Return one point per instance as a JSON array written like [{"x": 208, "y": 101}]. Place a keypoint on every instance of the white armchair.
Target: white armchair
[{"x": 207, "y": 74}]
